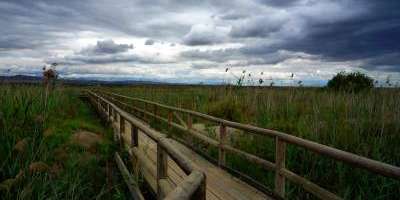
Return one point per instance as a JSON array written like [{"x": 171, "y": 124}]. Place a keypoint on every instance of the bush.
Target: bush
[{"x": 350, "y": 82}]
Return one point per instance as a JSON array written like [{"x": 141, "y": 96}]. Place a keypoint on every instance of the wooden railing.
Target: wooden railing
[
  {"x": 281, "y": 139},
  {"x": 192, "y": 187}
]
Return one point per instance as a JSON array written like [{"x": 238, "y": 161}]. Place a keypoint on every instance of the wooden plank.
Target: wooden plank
[{"x": 220, "y": 184}]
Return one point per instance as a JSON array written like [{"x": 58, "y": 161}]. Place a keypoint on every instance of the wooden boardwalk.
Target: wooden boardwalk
[
  {"x": 219, "y": 183},
  {"x": 175, "y": 172}
]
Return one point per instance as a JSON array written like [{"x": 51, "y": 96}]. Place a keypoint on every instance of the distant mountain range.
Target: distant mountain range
[{"x": 23, "y": 79}]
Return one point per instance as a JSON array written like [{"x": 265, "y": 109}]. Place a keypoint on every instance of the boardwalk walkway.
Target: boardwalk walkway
[
  {"x": 220, "y": 184},
  {"x": 174, "y": 171}
]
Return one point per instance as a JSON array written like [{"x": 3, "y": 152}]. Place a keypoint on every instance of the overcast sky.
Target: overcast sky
[{"x": 195, "y": 41}]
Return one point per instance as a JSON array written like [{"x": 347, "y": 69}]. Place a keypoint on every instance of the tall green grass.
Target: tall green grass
[
  {"x": 24, "y": 114},
  {"x": 367, "y": 124}
]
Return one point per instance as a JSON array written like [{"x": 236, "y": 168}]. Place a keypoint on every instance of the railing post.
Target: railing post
[
  {"x": 143, "y": 113},
  {"x": 200, "y": 193},
  {"x": 121, "y": 129},
  {"x": 98, "y": 104},
  {"x": 189, "y": 127},
  {"x": 222, "y": 141},
  {"x": 108, "y": 112},
  {"x": 155, "y": 110},
  {"x": 169, "y": 119},
  {"x": 162, "y": 167},
  {"x": 280, "y": 154},
  {"x": 114, "y": 115},
  {"x": 134, "y": 136},
  {"x": 145, "y": 117}
]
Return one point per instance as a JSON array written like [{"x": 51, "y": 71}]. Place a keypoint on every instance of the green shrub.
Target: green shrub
[{"x": 350, "y": 82}]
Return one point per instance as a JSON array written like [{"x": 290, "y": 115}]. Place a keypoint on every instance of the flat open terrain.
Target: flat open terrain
[{"x": 366, "y": 123}]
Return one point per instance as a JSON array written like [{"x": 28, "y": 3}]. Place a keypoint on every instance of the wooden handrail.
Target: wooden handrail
[
  {"x": 192, "y": 186},
  {"x": 280, "y": 138}
]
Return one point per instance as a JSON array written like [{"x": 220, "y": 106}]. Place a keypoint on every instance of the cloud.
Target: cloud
[
  {"x": 203, "y": 65},
  {"x": 386, "y": 62},
  {"x": 259, "y": 26},
  {"x": 220, "y": 55},
  {"x": 106, "y": 47},
  {"x": 149, "y": 42},
  {"x": 232, "y": 15},
  {"x": 289, "y": 35},
  {"x": 280, "y": 3},
  {"x": 105, "y": 52},
  {"x": 201, "y": 34}
]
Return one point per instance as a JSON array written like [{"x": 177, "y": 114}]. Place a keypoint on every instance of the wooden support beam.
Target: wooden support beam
[
  {"x": 108, "y": 112},
  {"x": 200, "y": 193},
  {"x": 134, "y": 136},
  {"x": 155, "y": 110},
  {"x": 280, "y": 157},
  {"x": 222, "y": 142},
  {"x": 169, "y": 119},
  {"x": 189, "y": 138},
  {"x": 189, "y": 122},
  {"x": 115, "y": 115},
  {"x": 121, "y": 130},
  {"x": 162, "y": 167},
  {"x": 145, "y": 117},
  {"x": 111, "y": 115}
]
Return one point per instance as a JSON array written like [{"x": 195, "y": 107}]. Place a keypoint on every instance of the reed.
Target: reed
[
  {"x": 365, "y": 123},
  {"x": 66, "y": 171}
]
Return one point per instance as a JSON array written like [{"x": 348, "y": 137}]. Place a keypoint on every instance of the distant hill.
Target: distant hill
[
  {"x": 20, "y": 79},
  {"x": 23, "y": 79}
]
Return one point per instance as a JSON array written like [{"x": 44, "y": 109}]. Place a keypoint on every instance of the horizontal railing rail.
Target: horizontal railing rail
[
  {"x": 192, "y": 187},
  {"x": 281, "y": 139}
]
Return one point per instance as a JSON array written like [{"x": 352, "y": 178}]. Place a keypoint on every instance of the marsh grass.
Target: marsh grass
[
  {"x": 365, "y": 123},
  {"x": 23, "y": 114}
]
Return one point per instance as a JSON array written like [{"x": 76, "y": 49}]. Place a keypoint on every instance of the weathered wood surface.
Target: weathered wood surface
[{"x": 220, "y": 184}]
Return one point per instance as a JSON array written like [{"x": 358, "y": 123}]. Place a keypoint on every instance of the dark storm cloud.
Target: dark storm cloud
[
  {"x": 106, "y": 47},
  {"x": 279, "y": 3},
  {"x": 368, "y": 35},
  {"x": 262, "y": 31},
  {"x": 386, "y": 62},
  {"x": 365, "y": 36},
  {"x": 201, "y": 34},
  {"x": 261, "y": 26},
  {"x": 149, "y": 42},
  {"x": 244, "y": 57}
]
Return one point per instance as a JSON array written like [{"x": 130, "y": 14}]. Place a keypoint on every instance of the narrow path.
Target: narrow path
[{"x": 220, "y": 184}]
